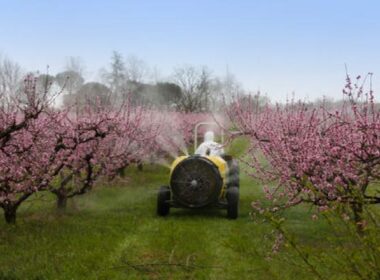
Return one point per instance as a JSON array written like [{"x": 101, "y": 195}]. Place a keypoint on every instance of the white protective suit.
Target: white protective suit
[{"x": 209, "y": 146}]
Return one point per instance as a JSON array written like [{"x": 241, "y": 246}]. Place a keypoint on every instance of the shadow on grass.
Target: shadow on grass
[{"x": 208, "y": 213}]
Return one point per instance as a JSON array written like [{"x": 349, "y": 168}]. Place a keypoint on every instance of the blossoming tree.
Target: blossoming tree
[
  {"x": 101, "y": 142},
  {"x": 31, "y": 151},
  {"x": 315, "y": 155}
]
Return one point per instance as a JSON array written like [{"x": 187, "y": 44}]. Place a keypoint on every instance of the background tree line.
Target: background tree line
[{"x": 189, "y": 88}]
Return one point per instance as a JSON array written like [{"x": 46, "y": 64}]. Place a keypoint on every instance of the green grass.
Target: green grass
[{"x": 113, "y": 233}]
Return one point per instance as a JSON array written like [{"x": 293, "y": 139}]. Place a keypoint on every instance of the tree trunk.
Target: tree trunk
[
  {"x": 10, "y": 214},
  {"x": 61, "y": 200},
  {"x": 357, "y": 208},
  {"x": 140, "y": 166}
]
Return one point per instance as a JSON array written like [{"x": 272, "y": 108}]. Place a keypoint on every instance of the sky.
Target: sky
[{"x": 280, "y": 47}]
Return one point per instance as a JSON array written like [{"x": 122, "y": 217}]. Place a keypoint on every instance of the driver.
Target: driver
[{"x": 209, "y": 147}]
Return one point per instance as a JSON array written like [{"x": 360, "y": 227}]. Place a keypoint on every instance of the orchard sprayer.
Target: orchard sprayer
[{"x": 200, "y": 181}]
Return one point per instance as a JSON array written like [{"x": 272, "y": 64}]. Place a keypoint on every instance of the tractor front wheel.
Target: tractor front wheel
[
  {"x": 232, "y": 202},
  {"x": 163, "y": 197}
]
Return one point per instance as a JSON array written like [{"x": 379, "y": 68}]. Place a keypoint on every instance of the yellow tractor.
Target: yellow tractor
[{"x": 199, "y": 181}]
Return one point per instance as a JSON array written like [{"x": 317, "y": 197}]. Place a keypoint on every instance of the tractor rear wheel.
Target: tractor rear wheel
[
  {"x": 233, "y": 171},
  {"x": 163, "y": 197},
  {"x": 232, "y": 202}
]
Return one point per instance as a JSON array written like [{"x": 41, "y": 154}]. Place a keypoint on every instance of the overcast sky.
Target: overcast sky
[{"x": 278, "y": 47}]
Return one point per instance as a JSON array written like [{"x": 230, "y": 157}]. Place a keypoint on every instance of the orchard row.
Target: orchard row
[{"x": 66, "y": 151}]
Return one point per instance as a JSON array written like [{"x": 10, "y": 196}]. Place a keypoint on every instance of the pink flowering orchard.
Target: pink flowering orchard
[
  {"x": 65, "y": 152},
  {"x": 31, "y": 151},
  {"x": 44, "y": 149},
  {"x": 317, "y": 156},
  {"x": 101, "y": 143}
]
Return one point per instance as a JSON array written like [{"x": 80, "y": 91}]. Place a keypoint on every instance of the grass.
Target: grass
[{"x": 114, "y": 233}]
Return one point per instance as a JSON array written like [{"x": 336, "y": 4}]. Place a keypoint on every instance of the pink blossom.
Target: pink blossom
[{"x": 316, "y": 156}]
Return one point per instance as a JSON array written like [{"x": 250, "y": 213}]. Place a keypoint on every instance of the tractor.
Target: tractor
[{"x": 201, "y": 181}]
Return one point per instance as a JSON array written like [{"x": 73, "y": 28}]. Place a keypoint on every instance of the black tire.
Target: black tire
[
  {"x": 163, "y": 197},
  {"x": 233, "y": 179},
  {"x": 232, "y": 202}
]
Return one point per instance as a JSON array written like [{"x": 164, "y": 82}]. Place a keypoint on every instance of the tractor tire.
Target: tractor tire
[
  {"x": 163, "y": 206},
  {"x": 233, "y": 174},
  {"x": 232, "y": 202}
]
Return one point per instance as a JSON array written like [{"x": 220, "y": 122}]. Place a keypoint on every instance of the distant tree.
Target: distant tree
[
  {"x": 91, "y": 94},
  {"x": 136, "y": 69},
  {"x": 10, "y": 77},
  {"x": 253, "y": 100},
  {"x": 160, "y": 95},
  {"x": 141, "y": 93},
  {"x": 204, "y": 88},
  {"x": 70, "y": 80},
  {"x": 125, "y": 77},
  {"x": 226, "y": 89},
  {"x": 169, "y": 93},
  {"x": 44, "y": 82},
  {"x": 117, "y": 76},
  {"x": 195, "y": 85},
  {"x": 75, "y": 64}
]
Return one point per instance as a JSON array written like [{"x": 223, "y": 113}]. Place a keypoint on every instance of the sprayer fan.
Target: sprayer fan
[{"x": 196, "y": 182}]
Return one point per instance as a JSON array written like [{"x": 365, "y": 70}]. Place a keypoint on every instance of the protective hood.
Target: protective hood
[{"x": 209, "y": 136}]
